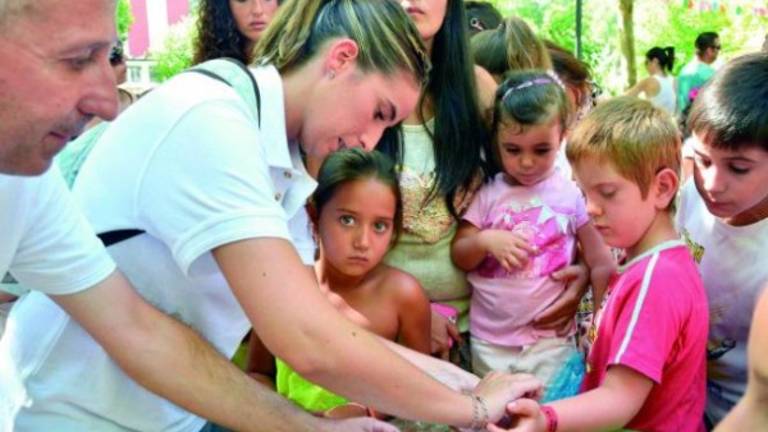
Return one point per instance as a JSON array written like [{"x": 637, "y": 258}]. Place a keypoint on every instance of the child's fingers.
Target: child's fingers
[
  {"x": 493, "y": 428},
  {"x": 511, "y": 263},
  {"x": 523, "y": 408},
  {"x": 453, "y": 332}
]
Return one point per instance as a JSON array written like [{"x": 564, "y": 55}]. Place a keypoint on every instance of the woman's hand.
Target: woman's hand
[
  {"x": 559, "y": 315},
  {"x": 497, "y": 389},
  {"x": 443, "y": 332}
]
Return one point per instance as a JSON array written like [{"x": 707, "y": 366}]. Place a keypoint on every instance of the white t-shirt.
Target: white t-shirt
[
  {"x": 666, "y": 97},
  {"x": 188, "y": 165},
  {"x": 46, "y": 244},
  {"x": 734, "y": 269}
]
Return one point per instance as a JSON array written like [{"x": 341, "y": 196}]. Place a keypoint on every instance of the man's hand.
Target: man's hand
[{"x": 559, "y": 315}]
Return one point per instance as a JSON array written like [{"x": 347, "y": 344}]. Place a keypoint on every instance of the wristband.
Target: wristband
[{"x": 551, "y": 416}]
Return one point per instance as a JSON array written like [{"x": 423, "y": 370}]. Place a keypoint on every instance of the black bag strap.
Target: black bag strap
[
  {"x": 110, "y": 238},
  {"x": 113, "y": 237}
]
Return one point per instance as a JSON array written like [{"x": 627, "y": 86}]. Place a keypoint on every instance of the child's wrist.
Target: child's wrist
[{"x": 549, "y": 417}]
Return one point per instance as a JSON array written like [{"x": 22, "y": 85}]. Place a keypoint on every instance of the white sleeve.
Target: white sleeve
[
  {"x": 209, "y": 184},
  {"x": 58, "y": 252},
  {"x": 303, "y": 240}
]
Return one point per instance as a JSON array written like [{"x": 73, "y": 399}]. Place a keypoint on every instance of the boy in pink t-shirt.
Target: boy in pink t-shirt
[{"x": 647, "y": 367}]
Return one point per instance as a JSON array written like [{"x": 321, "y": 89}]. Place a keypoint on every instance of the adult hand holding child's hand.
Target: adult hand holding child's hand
[{"x": 497, "y": 389}]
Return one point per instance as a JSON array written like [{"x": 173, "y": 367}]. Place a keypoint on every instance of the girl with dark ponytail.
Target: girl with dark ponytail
[{"x": 659, "y": 86}]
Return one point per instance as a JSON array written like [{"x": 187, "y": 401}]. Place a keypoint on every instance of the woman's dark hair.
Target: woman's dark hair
[
  {"x": 217, "y": 34},
  {"x": 346, "y": 166},
  {"x": 731, "y": 111},
  {"x": 528, "y": 98},
  {"x": 665, "y": 57},
  {"x": 481, "y": 15},
  {"x": 459, "y": 134}
]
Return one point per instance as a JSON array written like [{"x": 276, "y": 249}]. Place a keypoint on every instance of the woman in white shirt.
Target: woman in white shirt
[{"x": 659, "y": 86}]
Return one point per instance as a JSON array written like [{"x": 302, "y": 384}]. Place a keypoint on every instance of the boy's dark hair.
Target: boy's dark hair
[
  {"x": 706, "y": 40},
  {"x": 731, "y": 111},
  {"x": 346, "y": 166},
  {"x": 481, "y": 16}
]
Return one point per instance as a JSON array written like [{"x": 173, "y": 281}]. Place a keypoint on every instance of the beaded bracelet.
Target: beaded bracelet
[{"x": 480, "y": 417}]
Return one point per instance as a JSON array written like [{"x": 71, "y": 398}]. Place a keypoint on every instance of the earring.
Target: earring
[{"x": 332, "y": 74}]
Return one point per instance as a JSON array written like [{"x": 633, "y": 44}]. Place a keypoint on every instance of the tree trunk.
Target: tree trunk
[{"x": 628, "y": 38}]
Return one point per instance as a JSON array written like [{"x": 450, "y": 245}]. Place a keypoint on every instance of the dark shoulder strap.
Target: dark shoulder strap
[
  {"x": 110, "y": 238},
  {"x": 113, "y": 237}
]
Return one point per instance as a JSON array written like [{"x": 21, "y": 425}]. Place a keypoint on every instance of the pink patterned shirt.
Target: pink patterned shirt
[{"x": 548, "y": 214}]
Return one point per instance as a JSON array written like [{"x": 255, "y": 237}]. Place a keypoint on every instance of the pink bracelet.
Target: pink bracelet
[{"x": 551, "y": 416}]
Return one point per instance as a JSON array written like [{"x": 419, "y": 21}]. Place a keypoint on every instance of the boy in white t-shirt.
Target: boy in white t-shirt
[
  {"x": 750, "y": 413},
  {"x": 724, "y": 216}
]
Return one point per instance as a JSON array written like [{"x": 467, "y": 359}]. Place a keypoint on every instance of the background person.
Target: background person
[
  {"x": 231, "y": 28},
  {"x": 659, "y": 86}
]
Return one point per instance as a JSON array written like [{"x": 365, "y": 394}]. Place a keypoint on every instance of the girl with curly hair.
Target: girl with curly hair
[{"x": 231, "y": 28}]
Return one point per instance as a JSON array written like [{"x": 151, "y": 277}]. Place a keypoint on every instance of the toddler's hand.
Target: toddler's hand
[{"x": 510, "y": 249}]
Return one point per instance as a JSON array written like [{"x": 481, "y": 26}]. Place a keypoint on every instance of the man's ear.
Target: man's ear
[
  {"x": 341, "y": 56},
  {"x": 665, "y": 187}
]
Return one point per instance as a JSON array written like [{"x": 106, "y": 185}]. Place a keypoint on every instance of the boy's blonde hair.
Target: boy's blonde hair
[{"x": 638, "y": 138}]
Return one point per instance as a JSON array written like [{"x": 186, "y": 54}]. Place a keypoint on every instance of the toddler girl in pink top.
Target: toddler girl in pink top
[{"x": 521, "y": 227}]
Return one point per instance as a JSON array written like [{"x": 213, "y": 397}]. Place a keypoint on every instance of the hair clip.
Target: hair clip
[
  {"x": 551, "y": 78},
  {"x": 556, "y": 79}
]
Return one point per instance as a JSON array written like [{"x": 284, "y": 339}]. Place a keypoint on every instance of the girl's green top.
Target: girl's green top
[
  {"x": 424, "y": 248},
  {"x": 306, "y": 394}
]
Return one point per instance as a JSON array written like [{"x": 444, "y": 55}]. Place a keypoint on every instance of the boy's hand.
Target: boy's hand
[
  {"x": 527, "y": 417},
  {"x": 510, "y": 249}
]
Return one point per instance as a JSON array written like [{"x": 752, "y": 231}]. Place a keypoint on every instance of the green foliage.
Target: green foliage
[
  {"x": 657, "y": 23},
  {"x": 123, "y": 19},
  {"x": 673, "y": 24},
  {"x": 175, "y": 55}
]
